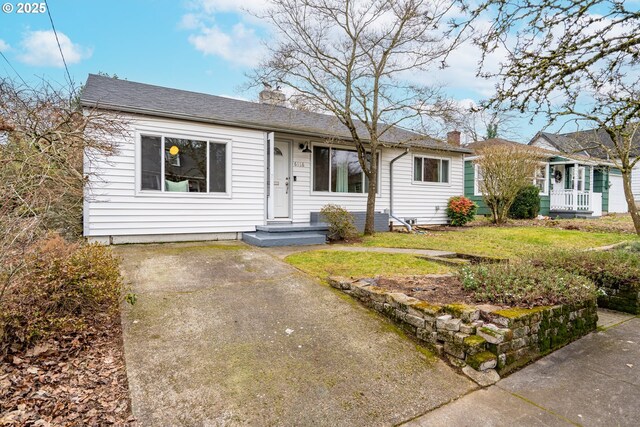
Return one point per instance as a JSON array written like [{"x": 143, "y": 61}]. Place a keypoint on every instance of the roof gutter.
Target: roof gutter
[{"x": 391, "y": 214}]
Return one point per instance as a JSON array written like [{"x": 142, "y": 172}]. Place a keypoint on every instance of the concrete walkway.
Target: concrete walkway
[
  {"x": 226, "y": 334},
  {"x": 594, "y": 381}
]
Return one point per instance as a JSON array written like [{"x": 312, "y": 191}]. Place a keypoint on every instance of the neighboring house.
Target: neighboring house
[
  {"x": 570, "y": 186},
  {"x": 588, "y": 144},
  {"x": 199, "y": 167}
]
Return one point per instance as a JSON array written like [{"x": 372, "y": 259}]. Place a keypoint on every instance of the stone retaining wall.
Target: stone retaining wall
[
  {"x": 620, "y": 298},
  {"x": 482, "y": 338}
]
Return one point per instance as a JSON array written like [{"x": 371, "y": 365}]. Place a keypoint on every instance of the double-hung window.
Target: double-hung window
[
  {"x": 541, "y": 178},
  {"x": 338, "y": 170},
  {"x": 479, "y": 181},
  {"x": 427, "y": 169},
  {"x": 183, "y": 165}
]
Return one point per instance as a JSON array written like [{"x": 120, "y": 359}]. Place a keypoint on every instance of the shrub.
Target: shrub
[
  {"x": 610, "y": 269},
  {"x": 61, "y": 288},
  {"x": 341, "y": 222},
  {"x": 526, "y": 204},
  {"x": 461, "y": 210},
  {"x": 524, "y": 284}
]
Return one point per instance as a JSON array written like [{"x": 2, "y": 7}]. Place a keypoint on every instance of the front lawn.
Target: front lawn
[
  {"x": 325, "y": 263},
  {"x": 504, "y": 242}
]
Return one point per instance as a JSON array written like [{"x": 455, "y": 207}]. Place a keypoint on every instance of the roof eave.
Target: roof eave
[{"x": 86, "y": 103}]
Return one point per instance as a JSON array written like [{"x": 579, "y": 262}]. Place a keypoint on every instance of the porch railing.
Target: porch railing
[{"x": 565, "y": 200}]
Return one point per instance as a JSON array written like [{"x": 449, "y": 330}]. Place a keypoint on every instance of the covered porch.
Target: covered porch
[{"x": 572, "y": 192}]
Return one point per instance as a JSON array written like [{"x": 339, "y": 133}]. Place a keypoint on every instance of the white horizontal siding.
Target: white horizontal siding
[
  {"x": 635, "y": 182},
  {"x": 115, "y": 207},
  {"x": 426, "y": 201},
  {"x": 411, "y": 200}
]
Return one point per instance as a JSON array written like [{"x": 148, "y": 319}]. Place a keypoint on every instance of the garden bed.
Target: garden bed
[
  {"x": 440, "y": 289},
  {"x": 483, "y": 338},
  {"x": 615, "y": 272}
]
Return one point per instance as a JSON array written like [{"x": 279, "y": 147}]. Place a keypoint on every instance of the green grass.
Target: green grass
[
  {"x": 325, "y": 263},
  {"x": 504, "y": 242}
]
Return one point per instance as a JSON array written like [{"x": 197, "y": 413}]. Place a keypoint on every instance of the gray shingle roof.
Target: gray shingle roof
[
  {"x": 126, "y": 96},
  {"x": 477, "y": 147},
  {"x": 586, "y": 142}
]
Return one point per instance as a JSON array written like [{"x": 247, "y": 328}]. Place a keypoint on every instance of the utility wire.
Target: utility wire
[
  {"x": 14, "y": 70},
  {"x": 58, "y": 41}
]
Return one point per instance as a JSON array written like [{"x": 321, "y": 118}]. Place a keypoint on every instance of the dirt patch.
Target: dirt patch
[
  {"x": 69, "y": 380},
  {"x": 433, "y": 289}
]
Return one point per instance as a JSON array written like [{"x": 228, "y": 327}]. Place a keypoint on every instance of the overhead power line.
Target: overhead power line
[
  {"x": 14, "y": 70},
  {"x": 58, "y": 42}
]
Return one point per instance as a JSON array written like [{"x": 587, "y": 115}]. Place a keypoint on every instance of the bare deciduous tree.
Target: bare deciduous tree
[
  {"x": 42, "y": 182},
  {"x": 479, "y": 123},
  {"x": 351, "y": 59},
  {"x": 502, "y": 171},
  {"x": 574, "y": 61}
]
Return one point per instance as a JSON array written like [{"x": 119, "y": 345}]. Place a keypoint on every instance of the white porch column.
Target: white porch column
[
  {"x": 575, "y": 186},
  {"x": 590, "y": 188}
]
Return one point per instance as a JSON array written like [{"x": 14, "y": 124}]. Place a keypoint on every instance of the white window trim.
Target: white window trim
[
  {"x": 139, "y": 192},
  {"x": 546, "y": 181},
  {"x": 428, "y": 156},
  {"x": 476, "y": 187},
  {"x": 333, "y": 193}
]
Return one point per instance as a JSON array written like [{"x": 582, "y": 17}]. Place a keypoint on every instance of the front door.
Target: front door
[{"x": 281, "y": 181}]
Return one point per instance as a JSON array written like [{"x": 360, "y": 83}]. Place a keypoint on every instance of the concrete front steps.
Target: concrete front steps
[{"x": 287, "y": 235}]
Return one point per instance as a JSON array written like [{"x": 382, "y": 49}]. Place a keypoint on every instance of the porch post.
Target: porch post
[
  {"x": 575, "y": 187},
  {"x": 590, "y": 188}
]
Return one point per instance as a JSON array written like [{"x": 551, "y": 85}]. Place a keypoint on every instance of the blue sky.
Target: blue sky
[{"x": 200, "y": 45}]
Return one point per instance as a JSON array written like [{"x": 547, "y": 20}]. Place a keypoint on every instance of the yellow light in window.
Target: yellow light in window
[{"x": 174, "y": 150}]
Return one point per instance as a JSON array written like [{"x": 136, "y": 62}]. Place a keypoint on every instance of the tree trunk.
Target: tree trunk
[
  {"x": 369, "y": 224},
  {"x": 631, "y": 203}
]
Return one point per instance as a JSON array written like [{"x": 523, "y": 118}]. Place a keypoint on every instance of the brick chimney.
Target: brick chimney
[
  {"x": 453, "y": 137},
  {"x": 272, "y": 96}
]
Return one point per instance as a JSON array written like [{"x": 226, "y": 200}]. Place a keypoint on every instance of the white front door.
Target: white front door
[{"x": 281, "y": 180}]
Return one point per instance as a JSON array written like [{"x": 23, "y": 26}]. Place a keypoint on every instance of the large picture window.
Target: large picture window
[
  {"x": 338, "y": 171},
  {"x": 426, "y": 169},
  {"x": 183, "y": 165}
]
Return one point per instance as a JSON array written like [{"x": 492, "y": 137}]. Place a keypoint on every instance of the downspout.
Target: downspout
[{"x": 407, "y": 225}]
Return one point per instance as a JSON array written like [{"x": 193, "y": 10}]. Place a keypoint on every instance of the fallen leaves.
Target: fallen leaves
[{"x": 68, "y": 381}]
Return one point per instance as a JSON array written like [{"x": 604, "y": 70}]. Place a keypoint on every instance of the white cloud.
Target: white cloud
[
  {"x": 190, "y": 21},
  {"x": 4, "y": 46},
  {"x": 240, "y": 45},
  {"x": 39, "y": 48},
  {"x": 213, "y": 6}
]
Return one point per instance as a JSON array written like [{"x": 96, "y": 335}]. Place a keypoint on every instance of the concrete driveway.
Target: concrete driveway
[{"x": 225, "y": 334}]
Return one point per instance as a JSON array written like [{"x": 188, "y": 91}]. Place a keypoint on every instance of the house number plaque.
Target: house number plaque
[{"x": 299, "y": 164}]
